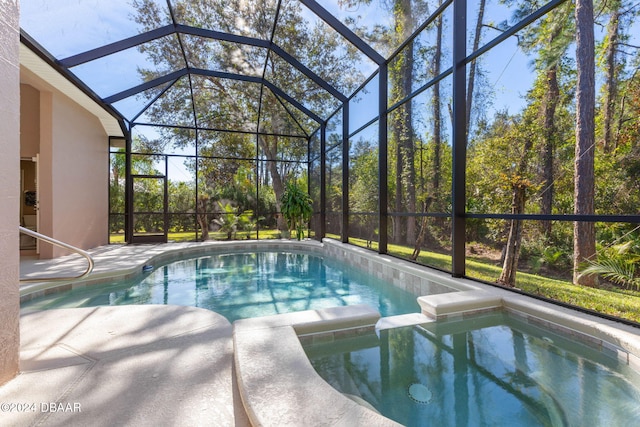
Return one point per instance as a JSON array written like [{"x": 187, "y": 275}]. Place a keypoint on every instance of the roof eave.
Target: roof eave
[{"x": 35, "y": 59}]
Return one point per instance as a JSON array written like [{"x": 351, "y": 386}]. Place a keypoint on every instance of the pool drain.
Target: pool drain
[{"x": 420, "y": 393}]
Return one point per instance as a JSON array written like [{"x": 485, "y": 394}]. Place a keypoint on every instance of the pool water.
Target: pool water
[
  {"x": 491, "y": 370},
  {"x": 243, "y": 285}
]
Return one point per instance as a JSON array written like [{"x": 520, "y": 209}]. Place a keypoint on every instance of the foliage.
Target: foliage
[
  {"x": 228, "y": 220},
  {"x": 615, "y": 302},
  {"x": 231, "y": 220},
  {"x": 296, "y": 207},
  {"x": 617, "y": 264},
  {"x": 363, "y": 189},
  {"x": 247, "y": 221},
  {"x": 538, "y": 254}
]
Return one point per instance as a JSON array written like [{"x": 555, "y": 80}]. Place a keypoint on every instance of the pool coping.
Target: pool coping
[{"x": 277, "y": 383}]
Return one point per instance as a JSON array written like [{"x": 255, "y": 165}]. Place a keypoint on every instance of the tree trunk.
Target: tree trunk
[
  {"x": 272, "y": 167},
  {"x": 473, "y": 65},
  {"x": 550, "y": 104},
  {"x": 201, "y": 216},
  {"x": 397, "y": 220},
  {"x": 611, "y": 88},
  {"x": 519, "y": 185},
  {"x": 403, "y": 130},
  {"x": 554, "y": 35},
  {"x": 437, "y": 119},
  {"x": 512, "y": 251},
  {"x": 423, "y": 231},
  {"x": 584, "y": 233},
  {"x": 409, "y": 169}
]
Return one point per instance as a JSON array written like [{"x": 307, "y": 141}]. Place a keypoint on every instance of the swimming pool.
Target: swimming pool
[
  {"x": 488, "y": 370},
  {"x": 243, "y": 285}
]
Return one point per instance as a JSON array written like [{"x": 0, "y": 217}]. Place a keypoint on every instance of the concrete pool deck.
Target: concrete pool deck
[
  {"x": 136, "y": 365},
  {"x": 150, "y": 365}
]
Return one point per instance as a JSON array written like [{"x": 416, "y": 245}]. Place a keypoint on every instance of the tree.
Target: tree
[
  {"x": 363, "y": 188},
  {"x": 584, "y": 232},
  {"x": 437, "y": 115},
  {"x": 401, "y": 125},
  {"x": 554, "y": 48},
  {"x": 496, "y": 150},
  {"x": 228, "y": 104},
  {"x": 402, "y": 139},
  {"x": 473, "y": 66},
  {"x": 116, "y": 191},
  {"x": 550, "y": 39},
  {"x": 436, "y": 177},
  {"x": 417, "y": 248},
  {"x": 181, "y": 203},
  {"x": 504, "y": 156},
  {"x": 222, "y": 156},
  {"x": 519, "y": 185},
  {"x": 148, "y": 193},
  {"x": 611, "y": 74}
]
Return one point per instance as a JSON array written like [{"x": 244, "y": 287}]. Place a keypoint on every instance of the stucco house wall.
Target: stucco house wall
[
  {"x": 73, "y": 166},
  {"x": 9, "y": 189},
  {"x": 29, "y": 121}
]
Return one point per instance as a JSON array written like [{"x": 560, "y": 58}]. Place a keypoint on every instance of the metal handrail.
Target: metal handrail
[{"x": 61, "y": 245}]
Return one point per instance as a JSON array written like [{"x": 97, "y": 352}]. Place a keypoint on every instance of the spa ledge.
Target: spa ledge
[{"x": 278, "y": 384}]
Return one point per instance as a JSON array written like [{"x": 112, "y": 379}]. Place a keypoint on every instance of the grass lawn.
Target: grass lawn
[{"x": 623, "y": 303}]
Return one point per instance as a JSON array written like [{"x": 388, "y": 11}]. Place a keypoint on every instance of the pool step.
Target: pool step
[{"x": 454, "y": 304}]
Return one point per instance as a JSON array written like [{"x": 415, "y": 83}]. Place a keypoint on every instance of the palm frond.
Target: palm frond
[{"x": 617, "y": 270}]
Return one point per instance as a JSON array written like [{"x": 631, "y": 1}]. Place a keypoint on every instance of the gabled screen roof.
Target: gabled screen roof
[{"x": 222, "y": 65}]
